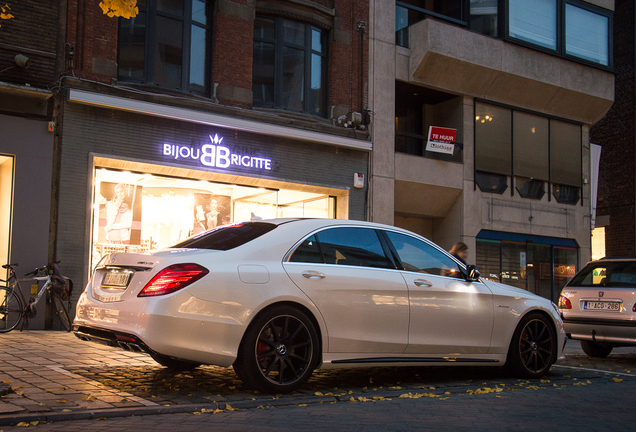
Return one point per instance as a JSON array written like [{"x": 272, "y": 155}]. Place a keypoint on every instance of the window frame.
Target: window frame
[
  {"x": 561, "y": 33},
  {"x": 513, "y": 175},
  {"x": 279, "y": 45},
  {"x": 150, "y": 40},
  {"x": 503, "y": 27}
]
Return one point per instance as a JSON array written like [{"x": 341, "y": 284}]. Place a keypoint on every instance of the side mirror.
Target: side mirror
[{"x": 473, "y": 273}]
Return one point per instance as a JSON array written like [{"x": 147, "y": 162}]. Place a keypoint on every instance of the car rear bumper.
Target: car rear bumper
[{"x": 620, "y": 332}]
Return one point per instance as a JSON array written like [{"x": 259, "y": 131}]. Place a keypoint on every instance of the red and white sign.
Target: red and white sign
[{"x": 441, "y": 140}]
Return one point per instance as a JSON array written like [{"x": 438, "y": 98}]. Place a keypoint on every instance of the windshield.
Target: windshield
[
  {"x": 606, "y": 274},
  {"x": 227, "y": 237}
]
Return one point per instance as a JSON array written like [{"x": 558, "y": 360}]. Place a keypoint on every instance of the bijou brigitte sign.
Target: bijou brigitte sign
[
  {"x": 441, "y": 140},
  {"x": 215, "y": 155}
]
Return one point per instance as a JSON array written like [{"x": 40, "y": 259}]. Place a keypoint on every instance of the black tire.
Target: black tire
[
  {"x": 533, "y": 348},
  {"x": 61, "y": 312},
  {"x": 279, "y": 351},
  {"x": 11, "y": 309},
  {"x": 594, "y": 349},
  {"x": 173, "y": 363}
]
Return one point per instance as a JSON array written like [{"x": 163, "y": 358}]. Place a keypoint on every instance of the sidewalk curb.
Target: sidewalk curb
[{"x": 12, "y": 420}]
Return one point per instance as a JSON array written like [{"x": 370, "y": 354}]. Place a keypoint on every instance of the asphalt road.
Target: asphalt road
[{"x": 59, "y": 383}]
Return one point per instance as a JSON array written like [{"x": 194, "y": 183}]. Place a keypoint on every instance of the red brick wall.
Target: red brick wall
[
  {"x": 34, "y": 27},
  {"x": 616, "y": 132},
  {"x": 94, "y": 35}
]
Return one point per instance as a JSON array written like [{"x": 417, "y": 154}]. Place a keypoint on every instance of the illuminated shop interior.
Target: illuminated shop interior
[{"x": 155, "y": 211}]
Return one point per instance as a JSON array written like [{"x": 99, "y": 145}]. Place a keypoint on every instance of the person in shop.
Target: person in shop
[
  {"x": 460, "y": 251},
  {"x": 119, "y": 217}
]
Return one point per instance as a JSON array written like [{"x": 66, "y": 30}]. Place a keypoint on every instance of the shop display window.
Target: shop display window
[{"x": 136, "y": 212}]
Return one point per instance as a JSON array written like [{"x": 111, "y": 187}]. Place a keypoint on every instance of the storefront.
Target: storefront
[
  {"x": 541, "y": 265},
  {"x": 135, "y": 180}
]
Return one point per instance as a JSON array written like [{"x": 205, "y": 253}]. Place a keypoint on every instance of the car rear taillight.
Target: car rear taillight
[
  {"x": 634, "y": 308},
  {"x": 564, "y": 303},
  {"x": 173, "y": 278}
]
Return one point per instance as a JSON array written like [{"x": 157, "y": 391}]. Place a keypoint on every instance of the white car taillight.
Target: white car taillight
[
  {"x": 173, "y": 278},
  {"x": 564, "y": 303}
]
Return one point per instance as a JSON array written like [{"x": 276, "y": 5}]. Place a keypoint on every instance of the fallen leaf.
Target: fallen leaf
[
  {"x": 618, "y": 380},
  {"x": 48, "y": 390},
  {"x": 196, "y": 413},
  {"x": 89, "y": 398},
  {"x": 61, "y": 401},
  {"x": 303, "y": 405}
]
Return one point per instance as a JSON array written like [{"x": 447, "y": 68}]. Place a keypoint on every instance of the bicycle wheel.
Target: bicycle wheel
[
  {"x": 11, "y": 309},
  {"x": 61, "y": 312}
]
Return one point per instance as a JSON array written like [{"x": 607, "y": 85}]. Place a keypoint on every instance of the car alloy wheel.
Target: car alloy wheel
[
  {"x": 279, "y": 351},
  {"x": 533, "y": 348}
]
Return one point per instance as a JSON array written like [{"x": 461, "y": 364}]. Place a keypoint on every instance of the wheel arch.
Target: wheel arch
[
  {"x": 549, "y": 317},
  {"x": 300, "y": 307}
]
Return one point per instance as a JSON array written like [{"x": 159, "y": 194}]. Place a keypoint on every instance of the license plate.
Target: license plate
[
  {"x": 116, "y": 279},
  {"x": 608, "y": 306}
]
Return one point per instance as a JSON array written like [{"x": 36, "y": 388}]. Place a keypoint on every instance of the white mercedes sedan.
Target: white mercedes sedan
[{"x": 279, "y": 298}]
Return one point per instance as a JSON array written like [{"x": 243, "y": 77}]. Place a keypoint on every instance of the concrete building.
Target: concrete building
[{"x": 515, "y": 87}]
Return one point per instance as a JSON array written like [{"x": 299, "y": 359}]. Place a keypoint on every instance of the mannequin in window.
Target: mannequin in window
[{"x": 119, "y": 217}]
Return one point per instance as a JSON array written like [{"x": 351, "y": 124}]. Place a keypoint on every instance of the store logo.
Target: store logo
[{"x": 215, "y": 155}]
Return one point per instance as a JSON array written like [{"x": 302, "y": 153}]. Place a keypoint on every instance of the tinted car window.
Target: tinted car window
[
  {"x": 419, "y": 256},
  {"x": 352, "y": 246},
  {"x": 606, "y": 274},
  {"x": 308, "y": 251},
  {"x": 227, "y": 237}
]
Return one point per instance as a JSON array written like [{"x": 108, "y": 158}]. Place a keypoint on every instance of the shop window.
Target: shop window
[
  {"x": 493, "y": 183},
  {"x": 530, "y": 147},
  {"x": 6, "y": 204},
  {"x": 566, "y": 194},
  {"x": 488, "y": 254},
  {"x": 564, "y": 266},
  {"x": 289, "y": 65},
  {"x": 137, "y": 212},
  {"x": 513, "y": 264},
  {"x": 544, "y": 149},
  {"x": 493, "y": 139},
  {"x": 565, "y": 157},
  {"x": 168, "y": 45},
  {"x": 530, "y": 188},
  {"x": 418, "y": 256},
  {"x": 359, "y": 247}
]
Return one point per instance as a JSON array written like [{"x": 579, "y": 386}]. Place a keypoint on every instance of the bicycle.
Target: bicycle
[{"x": 14, "y": 309}]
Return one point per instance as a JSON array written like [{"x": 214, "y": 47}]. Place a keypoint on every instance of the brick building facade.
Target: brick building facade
[
  {"x": 616, "y": 133},
  {"x": 269, "y": 86}
]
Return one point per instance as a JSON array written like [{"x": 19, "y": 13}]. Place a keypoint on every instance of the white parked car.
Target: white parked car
[
  {"x": 276, "y": 299},
  {"x": 599, "y": 306}
]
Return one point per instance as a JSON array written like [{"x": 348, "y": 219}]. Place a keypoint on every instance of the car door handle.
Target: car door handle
[
  {"x": 422, "y": 282},
  {"x": 310, "y": 274}
]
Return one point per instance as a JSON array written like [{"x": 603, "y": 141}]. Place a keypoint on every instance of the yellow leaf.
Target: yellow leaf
[
  {"x": 61, "y": 401},
  {"x": 196, "y": 413},
  {"x": 66, "y": 410},
  {"x": 229, "y": 408},
  {"x": 48, "y": 390},
  {"x": 23, "y": 424},
  {"x": 303, "y": 405},
  {"x": 318, "y": 394},
  {"x": 617, "y": 380},
  {"x": 89, "y": 398}
]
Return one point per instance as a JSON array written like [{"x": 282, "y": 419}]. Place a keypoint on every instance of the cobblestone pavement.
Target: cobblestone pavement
[{"x": 48, "y": 376}]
